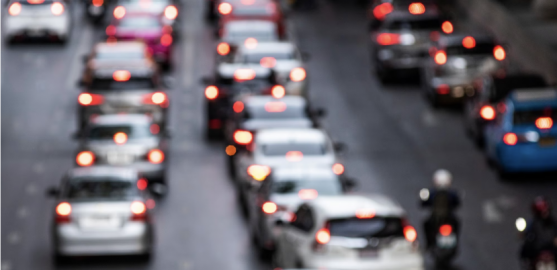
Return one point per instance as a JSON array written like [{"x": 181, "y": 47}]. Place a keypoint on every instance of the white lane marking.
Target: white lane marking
[
  {"x": 429, "y": 119},
  {"x": 22, "y": 212},
  {"x": 491, "y": 213},
  {"x": 31, "y": 189},
  {"x": 189, "y": 56},
  {"x": 6, "y": 265},
  {"x": 76, "y": 64},
  {"x": 38, "y": 167},
  {"x": 14, "y": 238}
]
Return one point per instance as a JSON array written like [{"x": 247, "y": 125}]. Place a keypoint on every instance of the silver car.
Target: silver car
[
  {"x": 244, "y": 33},
  {"x": 101, "y": 211},
  {"x": 37, "y": 19}
]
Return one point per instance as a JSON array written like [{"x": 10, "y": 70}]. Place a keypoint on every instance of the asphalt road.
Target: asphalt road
[{"x": 395, "y": 142}]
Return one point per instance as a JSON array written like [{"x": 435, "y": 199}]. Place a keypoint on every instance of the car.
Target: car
[
  {"x": 144, "y": 26},
  {"x": 121, "y": 77},
  {"x": 282, "y": 193},
  {"x": 243, "y": 33},
  {"x": 101, "y": 211},
  {"x": 349, "y": 232},
  {"x": 260, "y": 10},
  {"x": 378, "y": 9},
  {"x": 456, "y": 61},
  {"x": 37, "y": 19},
  {"x": 229, "y": 82},
  {"x": 131, "y": 140},
  {"x": 402, "y": 42},
  {"x": 492, "y": 89},
  {"x": 166, "y": 10},
  {"x": 523, "y": 136},
  {"x": 284, "y": 58}
]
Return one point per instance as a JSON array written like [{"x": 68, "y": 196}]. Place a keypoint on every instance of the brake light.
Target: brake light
[
  {"x": 294, "y": 156},
  {"x": 386, "y": 39},
  {"x": 243, "y": 137},
  {"x": 544, "y": 123},
  {"x": 250, "y": 43},
  {"x": 416, "y": 8},
  {"x": 230, "y": 150},
  {"x": 308, "y": 194},
  {"x": 365, "y": 213},
  {"x": 157, "y": 98},
  {"x": 268, "y": 62},
  {"x": 440, "y": 57},
  {"x": 167, "y": 29},
  {"x": 269, "y": 208},
  {"x": 63, "y": 211},
  {"x": 244, "y": 74},
  {"x": 510, "y": 139},
  {"x": 211, "y": 92},
  {"x": 98, "y": 3},
  {"x": 447, "y": 27},
  {"x": 110, "y": 30},
  {"x": 57, "y": 8},
  {"x": 275, "y": 106},
  {"x": 443, "y": 89},
  {"x": 487, "y": 112},
  {"x": 323, "y": 236},
  {"x": 338, "y": 169},
  {"x": 171, "y": 12},
  {"x": 225, "y": 8},
  {"x": 121, "y": 75},
  {"x": 139, "y": 210},
  {"x": 14, "y": 9},
  {"x": 155, "y": 156},
  {"x": 86, "y": 99},
  {"x": 469, "y": 42},
  {"x": 298, "y": 74},
  {"x": 382, "y": 10},
  {"x": 142, "y": 184},
  {"x": 120, "y": 138},
  {"x": 155, "y": 129},
  {"x": 166, "y": 40},
  {"x": 223, "y": 48},
  {"x": 278, "y": 91},
  {"x": 85, "y": 158},
  {"x": 119, "y": 12},
  {"x": 259, "y": 172},
  {"x": 499, "y": 53},
  {"x": 238, "y": 106},
  {"x": 410, "y": 233},
  {"x": 446, "y": 230}
]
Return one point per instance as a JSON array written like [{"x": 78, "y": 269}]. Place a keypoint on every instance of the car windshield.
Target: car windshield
[
  {"x": 307, "y": 149},
  {"x": 120, "y": 55},
  {"x": 502, "y": 87},
  {"x": 366, "y": 228},
  {"x": 429, "y": 24},
  {"x": 255, "y": 58},
  {"x": 131, "y": 84},
  {"x": 323, "y": 187},
  {"x": 108, "y": 132},
  {"x": 479, "y": 49},
  {"x": 529, "y": 117},
  {"x": 259, "y": 10},
  {"x": 275, "y": 110},
  {"x": 94, "y": 188},
  {"x": 139, "y": 22},
  {"x": 260, "y": 36}
]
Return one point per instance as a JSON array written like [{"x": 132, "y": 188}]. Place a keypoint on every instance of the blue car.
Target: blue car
[{"x": 523, "y": 135}]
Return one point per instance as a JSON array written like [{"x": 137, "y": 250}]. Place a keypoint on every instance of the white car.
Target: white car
[
  {"x": 244, "y": 32},
  {"x": 37, "y": 19},
  {"x": 349, "y": 232},
  {"x": 284, "y": 58}
]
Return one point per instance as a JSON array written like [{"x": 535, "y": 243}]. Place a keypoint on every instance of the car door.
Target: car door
[{"x": 296, "y": 235}]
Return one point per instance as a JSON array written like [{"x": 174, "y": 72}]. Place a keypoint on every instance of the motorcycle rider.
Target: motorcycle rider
[
  {"x": 540, "y": 233},
  {"x": 443, "y": 202}
]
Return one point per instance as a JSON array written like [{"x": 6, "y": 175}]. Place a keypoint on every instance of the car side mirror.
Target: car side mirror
[
  {"x": 52, "y": 192},
  {"x": 349, "y": 183},
  {"x": 207, "y": 80},
  {"x": 168, "y": 82},
  {"x": 158, "y": 189},
  {"x": 306, "y": 57},
  {"x": 320, "y": 112},
  {"x": 340, "y": 147}
]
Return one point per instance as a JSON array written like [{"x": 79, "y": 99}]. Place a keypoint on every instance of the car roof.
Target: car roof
[
  {"x": 126, "y": 173},
  {"x": 270, "y": 47},
  {"x": 120, "y": 46},
  {"x": 249, "y": 25},
  {"x": 303, "y": 173},
  {"x": 534, "y": 98},
  {"x": 456, "y": 39},
  {"x": 121, "y": 119},
  {"x": 227, "y": 70},
  {"x": 261, "y": 101},
  {"x": 290, "y": 135},
  {"x": 346, "y": 206}
]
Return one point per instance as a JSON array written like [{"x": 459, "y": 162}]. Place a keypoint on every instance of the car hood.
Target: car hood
[{"x": 253, "y": 125}]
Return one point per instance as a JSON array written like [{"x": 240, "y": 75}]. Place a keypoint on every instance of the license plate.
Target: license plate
[
  {"x": 446, "y": 241},
  {"x": 99, "y": 222},
  {"x": 369, "y": 253},
  {"x": 119, "y": 158},
  {"x": 547, "y": 141}
]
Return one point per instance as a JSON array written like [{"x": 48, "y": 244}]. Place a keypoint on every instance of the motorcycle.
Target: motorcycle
[{"x": 545, "y": 260}]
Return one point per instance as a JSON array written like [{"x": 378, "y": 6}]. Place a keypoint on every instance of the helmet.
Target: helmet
[
  {"x": 442, "y": 179},
  {"x": 541, "y": 206}
]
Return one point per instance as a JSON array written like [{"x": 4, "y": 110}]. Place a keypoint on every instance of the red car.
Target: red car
[
  {"x": 146, "y": 27},
  {"x": 266, "y": 10}
]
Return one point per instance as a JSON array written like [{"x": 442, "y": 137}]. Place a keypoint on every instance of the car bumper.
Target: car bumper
[
  {"x": 37, "y": 26},
  {"x": 408, "y": 262},
  {"x": 527, "y": 158}
]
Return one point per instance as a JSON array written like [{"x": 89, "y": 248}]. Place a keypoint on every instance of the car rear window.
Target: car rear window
[
  {"x": 91, "y": 188},
  {"x": 261, "y": 36},
  {"x": 428, "y": 24},
  {"x": 365, "y": 228},
  {"x": 529, "y": 117},
  {"x": 107, "y": 132},
  {"x": 479, "y": 49},
  {"x": 260, "y": 10},
  {"x": 139, "y": 22},
  {"x": 131, "y": 84},
  {"x": 255, "y": 58},
  {"x": 323, "y": 187},
  {"x": 307, "y": 149},
  {"x": 120, "y": 55},
  {"x": 265, "y": 112},
  {"x": 502, "y": 87}
]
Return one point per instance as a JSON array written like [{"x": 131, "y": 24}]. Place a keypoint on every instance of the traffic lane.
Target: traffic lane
[{"x": 397, "y": 141}]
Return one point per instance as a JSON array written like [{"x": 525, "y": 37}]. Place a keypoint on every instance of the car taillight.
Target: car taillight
[
  {"x": 243, "y": 137},
  {"x": 155, "y": 156},
  {"x": 308, "y": 194},
  {"x": 120, "y": 138},
  {"x": 294, "y": 156},
  {"x": 157, "y": 98},
  {"x": 275, "y": 106},
  {"x": 410, "y": 233},
  {"x": 119, "y": 12},
  {"x": 469, "y": 42},
  {"x": 121, "y": 75},
  {"x": 365, "y": 213},
  {"x": 138, "y": 210},
  {"x": 269, "y": 208},
  {"x": 142, "y": 184},
  {"x": 57, "y": 8},
  {"x": 14, "y": 9},
  {"x": 499, "y": 53},
  {"x": 446, "y": 230},
  {"x": 440, "y": 58},
  {"x": 63, "y": 211},
  {"x": 510, "y": 139},
  {"x": 416, "y": 8},
  {"x": 238, "y": 107},
  {"x": 298, "y": 74},
  {"x": 447, "y": 27},
  {"x": 487, "y": 112},
  {"x": 382, "y": 10},
  {"x": 251, "y": 43},
  {"x": 155, "y": 129},
  {"x": 85, "y": 158},
  {"x": 323, "y": 236},
  {"x": 171, "y": 12},
  {"x": 278, "y": 91},
  {"x": 268, "y": 62},
  {"x": 211, "y": 92},
  {"x": 338, "y": 168},
  {"x": 110, "y": 30},
  {"x": 259, "y": 172},
  {"x": 443, "y": 89},
  {"x": 223, "y": 48},
  {"x": 386, "y": 39},
  {"x": 225, "y": 8},
  {"x": 166, "y": 40},
  {"x": 87, "y": 99},
  {"x": 244, "y": 74},
  {"x": 544, "y": 123},
  {"x": 98, "y": 3}
]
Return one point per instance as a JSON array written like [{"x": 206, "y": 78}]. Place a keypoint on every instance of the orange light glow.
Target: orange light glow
[
  {"x": 268, "y": 62},
  {"x": 121, "y": 75},
  {"x": 155, "y": 156},
  {"x": 120, "y": 138},
  {"x": 510, "y": 139},
  {"x": 269, "y": 208},
  {"x": 487, "y": 112},
  {"x": 259, "y": 172},
  {"x": 410, "y": 233},
  {"x": 469, "y": 42},
  {"x": 211, "y": 92},
  {"x": 250, "y": 43},
  {"x": 171, "y": 12},
  {"x": 138, "y": 208},
  {"x": 63, "y": 209},
  {"x": 447, "y": 27},
  {"x": 294, "y": 156},
  {"x": 323, "y": 236},
  {"x": 35, "y": 2},
  {"x": 298, "y": 74},
  {"x": 499, "y": 53},
  {"x": 98, "y": 3},
  {"x": 440, "y": 58},
  {"x": 446, "y": 230},
  {"x": 225, "y": 8},
  {"x": 14, "y": 9},
  {"x": 223, "y": 48},
  {"x": 244, "y": 74},
  {"x": 416, "y": 8},
  {"x": 544, "y": 123},
  {"x": 275, "y": 107},
  {"x": 110, "y": 30},
  {"x": 307, "y": 194},
  {"x": 387, "y": 39},
  {"x": 86, "y": 99},
  {"x": 231, "y": 150},
  {"x": 166, "y": 40},
  {"x": 338, "y": 169},
  {"x": 142, "y": 184},
  {"x": 119, "y": 12},
  {"x": 158, "y": 98},
  {"x": 57, "y": 8},
  {"x": 238, "y": 107},
  {"x": 243, "y": 137},
  {"x": 85, "y": 158},
  {"x": 278, "y": 91},
  {"x": 365, "y": 213}
]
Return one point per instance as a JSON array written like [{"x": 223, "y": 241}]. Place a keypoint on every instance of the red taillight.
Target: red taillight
[
  {"x": 230, "y": 150},
  {"x": 382, "y": 10},
  {"x": 294, "y": 156},
  {"x": 120, "y": 138},
  {"x": 155, "y": 156},
  {"x": 251, "y": 43},
  {"x": 269, "y": 208},
  {"x": 142, "y": 184},
  {"x": 440, "y": 57},
  {"x": 110, "y": 30},
  {"x": 98, "y": 3},
  {"x": 544, "y": 123},
  {"x": 259, "y": 172},
  {"x": 278, "y": 91},
  {"x": 243, "y": 137},
  {"x": 85, "y": 158},
  {"x": 447, "y": 27},
  {"x": 365, "y": 213},
  {"x": 155, "y": 129},
  {"x": 171, "y": 12},
  {"x": 57, "y": 8},
  {"x": 166, "y": 40},
  {"x": 416, "y": 8},
  {"x": 211, "y": 92},
  {"x": 323, "y": 236},
  {"x": 268, "y": 62},
  {"x": 139, "y": 210},
  {"x": 446, "y": 230},
  {"x": 308, "y": 194},
  {"x": 443, "y": 89},
  {"x": 510, "y": 139},
  {"x": 14, "y": 9},
  {"x": 338, "y": 169},
  {"x": 157, "y": 98},
  {"x": 386, "y": 39},
  {"x": 121, "y": 75},
  {"x": 244, "y": 74},
  {"x": 298, "y": 74},
  {"x": 275, "y": 106},
  {"x": 410, "y": 233},
  {"x": 86, "y": 99},
  {"x": 63, "y": 211},
  {"x": 487, "y": 112},
  {"x": 225, "y": 8},
  {"x": 469, "y": 42},
  {"x": 238, "y": 107},
  {"x": 499, "y": 53},
  {"x": 119, "y": 12},
  {"x": 223, "y": 48}
]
